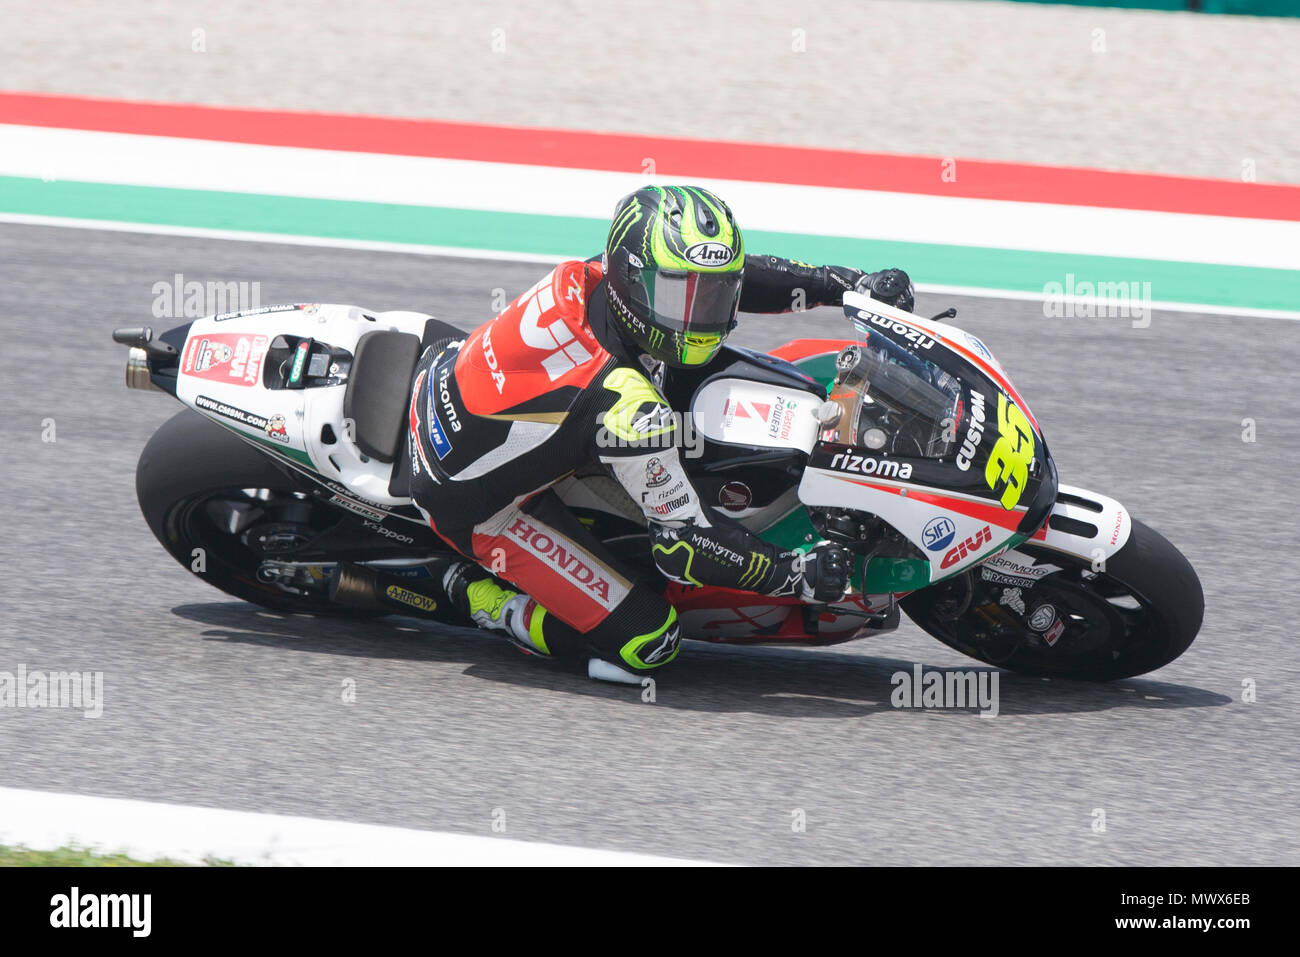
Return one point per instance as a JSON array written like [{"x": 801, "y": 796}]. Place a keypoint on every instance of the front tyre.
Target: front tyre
[{"x": 1137, "y": 613}]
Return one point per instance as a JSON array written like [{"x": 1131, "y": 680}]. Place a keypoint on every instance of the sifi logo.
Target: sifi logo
[
  {"x": 710, "y": 254},
  {"x": 969, "y": 547},
  {"x": 543, "y": 546},
  {"x": 938, "y": 532}
]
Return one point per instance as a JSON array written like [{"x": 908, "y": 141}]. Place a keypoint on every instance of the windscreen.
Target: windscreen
[{"x": 892, "y": 400}]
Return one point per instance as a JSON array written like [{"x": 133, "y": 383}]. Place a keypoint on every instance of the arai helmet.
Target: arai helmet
[{"x": 673, "y": 264}]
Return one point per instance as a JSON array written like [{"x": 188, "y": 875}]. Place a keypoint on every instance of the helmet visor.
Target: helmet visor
[{"x": 696, "y": 303}]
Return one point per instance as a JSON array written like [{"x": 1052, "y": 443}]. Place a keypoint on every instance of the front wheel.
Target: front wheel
[{"x": 1135, "y": 613}]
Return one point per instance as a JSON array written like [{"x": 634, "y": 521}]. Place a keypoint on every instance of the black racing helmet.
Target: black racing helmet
[{"x": 673, "y": 265}]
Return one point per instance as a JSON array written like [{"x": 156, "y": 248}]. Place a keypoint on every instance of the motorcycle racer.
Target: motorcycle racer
[{"x": 566, "y": 377}]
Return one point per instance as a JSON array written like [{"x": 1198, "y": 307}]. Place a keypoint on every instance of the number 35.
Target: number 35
[{"x": 1012, "y": 453}]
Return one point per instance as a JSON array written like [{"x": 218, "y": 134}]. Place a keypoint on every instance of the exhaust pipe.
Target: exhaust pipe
[
  {"x": 143, "y": 347},
  {"x": 137, "y": 370},
  {"x": 357, "y": 586}
]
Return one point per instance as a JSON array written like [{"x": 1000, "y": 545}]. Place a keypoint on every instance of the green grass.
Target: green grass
[{"x": 85, "y": 857}]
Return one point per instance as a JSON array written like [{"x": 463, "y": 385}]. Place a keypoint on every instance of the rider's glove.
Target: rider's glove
[
  {"x": 890, "y": 286},
  {"x": 836, "y": 281},
  {"x": 826, "y": 570}
]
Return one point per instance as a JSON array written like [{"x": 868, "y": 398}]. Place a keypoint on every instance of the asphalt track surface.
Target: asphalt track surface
[{"x": 214, "y": 702}]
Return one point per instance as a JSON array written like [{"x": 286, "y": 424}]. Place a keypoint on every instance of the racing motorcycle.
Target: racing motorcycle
[{"x": 289, "y": 471}]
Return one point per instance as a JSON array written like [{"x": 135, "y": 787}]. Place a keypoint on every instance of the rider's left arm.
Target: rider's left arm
[{"x": 775, "y": 285}]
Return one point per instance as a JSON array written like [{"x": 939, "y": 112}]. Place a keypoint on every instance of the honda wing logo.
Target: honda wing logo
[{"x": 566, "y": 352}]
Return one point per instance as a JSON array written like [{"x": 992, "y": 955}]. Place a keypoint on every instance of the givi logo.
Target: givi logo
[{"x": 970, "y": 546}]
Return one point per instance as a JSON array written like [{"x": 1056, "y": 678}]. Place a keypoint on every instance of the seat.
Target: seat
[{"x": 379, "y": 390}]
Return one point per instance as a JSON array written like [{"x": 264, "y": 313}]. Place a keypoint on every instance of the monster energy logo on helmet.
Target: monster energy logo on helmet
[{"x": 674, "y": 261}]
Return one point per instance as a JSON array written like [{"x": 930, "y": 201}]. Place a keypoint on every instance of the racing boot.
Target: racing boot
[{"x": 494, "y": 607}]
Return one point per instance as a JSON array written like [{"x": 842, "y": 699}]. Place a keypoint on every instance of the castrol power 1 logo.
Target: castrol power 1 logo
[
  {"x": 225, "y": 357},
  {"x": 782, "y": 419}
]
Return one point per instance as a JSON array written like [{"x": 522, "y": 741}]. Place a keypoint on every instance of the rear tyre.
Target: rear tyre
[
  {"x": 202, "y": 487},
  {"x": 1136, "y": 614}
]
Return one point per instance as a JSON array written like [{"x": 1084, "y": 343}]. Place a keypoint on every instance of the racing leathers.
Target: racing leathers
[{"x": 548, "y": 388}]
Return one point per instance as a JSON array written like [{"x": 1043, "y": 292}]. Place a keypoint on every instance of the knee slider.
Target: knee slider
[{"x": 656, "y": 648}]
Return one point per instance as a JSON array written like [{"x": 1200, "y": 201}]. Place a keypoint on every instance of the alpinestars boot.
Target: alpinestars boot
[{"x": 480, "y": 596}]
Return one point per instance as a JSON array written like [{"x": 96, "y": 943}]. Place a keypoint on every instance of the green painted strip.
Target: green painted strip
[
  {"x": 1245, "y": 287},
  {"x": 300, "y": 216},
  {"x": 980, "y": 267},
  {"x": 1263, "y": 8}
]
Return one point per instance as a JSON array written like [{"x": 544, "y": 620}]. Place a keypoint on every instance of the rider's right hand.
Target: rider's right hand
[{"x": 826, "y": 571}]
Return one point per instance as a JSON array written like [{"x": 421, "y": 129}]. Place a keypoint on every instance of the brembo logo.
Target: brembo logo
[
  {"x": 709, "y": 254},
  {"x": 970, "y": 546},
  {"x": 974, "y": 434},
  {"x": 541, "y": 545}
]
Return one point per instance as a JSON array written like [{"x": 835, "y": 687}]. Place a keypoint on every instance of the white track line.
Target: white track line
[
  {"x": 145, "y": 830},
  {"x": 178, "y": 163},
  {"x": 194, "y": 232}
]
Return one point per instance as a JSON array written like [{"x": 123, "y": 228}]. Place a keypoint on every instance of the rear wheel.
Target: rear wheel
[
  {"x": 1137, "y": 613},
  {"x": 223, "y": 510}
]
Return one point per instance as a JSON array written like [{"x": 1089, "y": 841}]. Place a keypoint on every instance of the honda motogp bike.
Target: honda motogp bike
[{"x": 908, "y": 443}]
